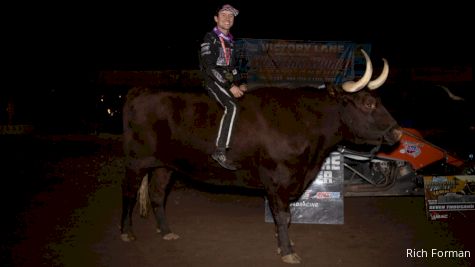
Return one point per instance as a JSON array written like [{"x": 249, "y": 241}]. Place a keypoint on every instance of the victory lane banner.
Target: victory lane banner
[
  {"x": 297, "y": 63},
  {"x": 322, "y": 201}
]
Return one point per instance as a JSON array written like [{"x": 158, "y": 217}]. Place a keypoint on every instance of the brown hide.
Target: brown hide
[{"x": 291, "y": 131}]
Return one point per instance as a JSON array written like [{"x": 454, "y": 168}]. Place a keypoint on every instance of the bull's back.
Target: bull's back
[
  {"x": 172, "y": 128},
  {"x": 179, "y": 130}
]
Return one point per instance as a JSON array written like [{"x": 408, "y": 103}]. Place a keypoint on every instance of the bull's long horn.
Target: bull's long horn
[
  {"x": 376, "y": 83},
  {"x": 450, "y": 94},
  {"x": 352, "y": 86}
]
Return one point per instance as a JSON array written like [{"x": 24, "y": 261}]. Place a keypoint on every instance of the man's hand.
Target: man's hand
[
  {"x": 236, "y": 91},
  {"x": 243, "y": 87}
]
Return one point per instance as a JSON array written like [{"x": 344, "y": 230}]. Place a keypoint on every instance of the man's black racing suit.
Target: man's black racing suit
[{"x": 218, "y": 60}]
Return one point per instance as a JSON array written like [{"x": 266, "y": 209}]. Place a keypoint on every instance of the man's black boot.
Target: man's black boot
[{"x": 220, "y": 156}]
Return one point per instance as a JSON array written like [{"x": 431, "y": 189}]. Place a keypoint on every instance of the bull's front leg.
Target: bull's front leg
[
  {"x": 160, "y": 180},
  {"x": 281, "y": 213},
  {"x": 128, "y": 203}
]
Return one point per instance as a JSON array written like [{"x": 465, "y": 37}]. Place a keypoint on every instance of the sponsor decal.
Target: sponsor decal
[
  {"x": 411, "y": 148},
  {"x": 438, "y": 216},
  {"x": 327, "y": 195}
]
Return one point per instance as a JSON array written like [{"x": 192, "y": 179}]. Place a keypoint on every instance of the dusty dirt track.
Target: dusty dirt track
[{"x": 69, "y": 209}]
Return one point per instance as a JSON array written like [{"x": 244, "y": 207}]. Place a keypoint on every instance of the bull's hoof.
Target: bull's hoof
[
  {"x": 171, "y": 236},
  {"x": 279, "y": 250},
  {"x": 291, "y": 258},
  {"x": 127, "y": 237}
]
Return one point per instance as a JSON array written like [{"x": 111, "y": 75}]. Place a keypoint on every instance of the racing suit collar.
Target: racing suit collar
[{"x": 228, "y": 37}]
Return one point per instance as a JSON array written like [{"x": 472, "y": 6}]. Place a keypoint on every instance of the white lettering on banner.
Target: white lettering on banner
[
  {"x": 304, "y": 204},
  {"x": 452, "y": 207},
  {"x": 331, "y": 163},
  {"x": 325, "y": 176}
]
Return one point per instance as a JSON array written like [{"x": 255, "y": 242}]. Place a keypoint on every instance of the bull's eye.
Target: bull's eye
[{"x": 370, "y": 105}]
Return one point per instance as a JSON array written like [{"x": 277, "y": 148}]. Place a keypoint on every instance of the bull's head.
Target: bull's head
[{"x": 365, "y": 119}]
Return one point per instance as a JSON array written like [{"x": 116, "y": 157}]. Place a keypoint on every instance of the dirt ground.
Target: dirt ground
[{"x": 62, "y": 208}]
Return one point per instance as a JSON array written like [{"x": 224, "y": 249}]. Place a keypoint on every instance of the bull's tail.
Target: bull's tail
[{"x": 144, "y": 200}]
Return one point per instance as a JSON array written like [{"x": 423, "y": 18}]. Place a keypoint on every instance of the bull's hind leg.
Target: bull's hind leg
[
  {"x": 159, "y": 185},
  {"x": 130, "y": 185}
]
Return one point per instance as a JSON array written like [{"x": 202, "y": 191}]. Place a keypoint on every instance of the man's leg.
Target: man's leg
[{"x": 226, "y": 125}]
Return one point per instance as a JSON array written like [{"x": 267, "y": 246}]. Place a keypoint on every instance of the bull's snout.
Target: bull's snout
[
  {"x": 393, "y": 136},
  {"x": 397, "y": 132}
]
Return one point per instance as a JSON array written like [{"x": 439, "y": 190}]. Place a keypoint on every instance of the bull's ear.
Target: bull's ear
[
  {"x": 345, "y": 98},
  {"x": 331, "y": 89},
  {"x": 335, "y": 91}
]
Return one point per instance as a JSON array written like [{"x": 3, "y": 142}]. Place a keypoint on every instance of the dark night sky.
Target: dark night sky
[
  {"x": 53, "y": 51},
  {"x": 164, "y": 36}
]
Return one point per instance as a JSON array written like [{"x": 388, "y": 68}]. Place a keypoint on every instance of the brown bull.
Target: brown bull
[{"x": 280, "y": 142}]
